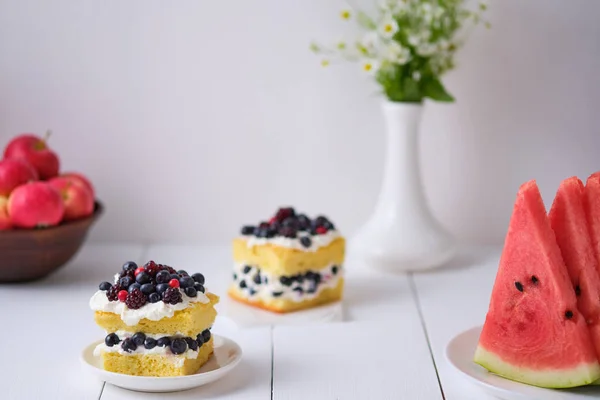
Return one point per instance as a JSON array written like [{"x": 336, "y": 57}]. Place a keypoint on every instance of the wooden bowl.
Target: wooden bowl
[{"x": 29, "y": 254}]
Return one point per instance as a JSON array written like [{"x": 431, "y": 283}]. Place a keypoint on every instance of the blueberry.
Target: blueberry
[
  {"x": 243, "y": 285},
  {"x": 138, "y": 338},
  {"x": 198, "y": 277},
  {"x": 299, "y": 278},
  {"x": 290, "y": 223},
  {"x": 142, "y": 278},
  {"x": 183, "y": 272},
  {"x": 154, "y": 297},
  {"x": 252, "y": 292},
  {"x": 312, "y": 288},
  {"x": 125, "y": 281},
  {"x": 299, "y": 289},
  {"x": 161, "y": 287},
  {"x": 128, "y": 345},
  {"x": 163, "y": 341},
  {"x": 133, "y": 286},
  {"x": 303, "y": 222},
  {"x": 192, "y": 344},
  {"x": 148, "y": 288},
  {"x": 191, "y": 291},
  {"x": 111, "y": 339},
  {"x": 186, "y": 282},
  {"x": 247, "y": 230},
  {"x": 261, "y": 232},
  {"x": 306, "y": 242},
  {"x": 256, "y": 279},
  {"x": 105, "y": 286},
  {"x": 206, "y": 335},
  {"x": 247, "y": 269},
  {"x": 334, "y": 269},
  {"x": 271, "y": 233},
  {"x": 285, "y": 281},
  {"x": 149, "y": 343},
  {"x": 200, "y": 339},
  {"x": 129, "y": 266},
  {"x": 163, "y": 277},
  {"x": 199, "y": 288},
  {"x": 175, "y": 276},
  {"x": 178, "y": 346},
  {"x": 276, "y": 294},
  {"x": 328, "y": 225},
  {"x": 317, "y": 278}
]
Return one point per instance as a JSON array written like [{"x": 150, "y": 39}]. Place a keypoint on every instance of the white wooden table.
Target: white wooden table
[{"x": 390, "y": 346}]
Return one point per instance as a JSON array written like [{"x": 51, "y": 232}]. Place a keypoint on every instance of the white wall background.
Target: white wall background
[{"x": 194, "y": 116}]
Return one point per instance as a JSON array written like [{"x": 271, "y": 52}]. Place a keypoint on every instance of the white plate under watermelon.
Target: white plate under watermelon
[{"x": 459, "y": 354}]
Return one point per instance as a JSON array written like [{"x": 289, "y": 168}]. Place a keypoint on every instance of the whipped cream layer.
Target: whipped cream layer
[
  {"x": 152, "y": 311},
  {"x": 317, "y": 241},
  {"x": 296, "y": 291}
]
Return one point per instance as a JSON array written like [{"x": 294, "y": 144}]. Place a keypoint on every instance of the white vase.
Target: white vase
[{"x": 402, "y": 234}]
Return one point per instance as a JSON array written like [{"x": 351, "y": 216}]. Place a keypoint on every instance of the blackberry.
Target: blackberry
[
  {"x": 172, "y": 296},
  {"x": 151, "y": 268},
  {"x": 112, "y": 293},
  {"x": 135, "y": 299}
]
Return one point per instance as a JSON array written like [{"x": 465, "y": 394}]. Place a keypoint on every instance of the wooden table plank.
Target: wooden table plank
[
  {"x": 250, "y": 380},
  {"x": 354, "y": 360},
  {"x": 452, "y": 300},
  {"x": 47, "y": 324}
]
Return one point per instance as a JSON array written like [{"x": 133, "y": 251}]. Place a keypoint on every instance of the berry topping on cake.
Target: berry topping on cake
[
  {"x": 111, "y": 339},
  {"x": 186, "y": 282},
  {"x": 178, "y": 346},
  {"x": 133, "y": 286},
  {"x": 125, "y": 281},
  {"x": 135, "y": 299},
  {"x": 162, "y": 277},
  {"x": 113, "y": 292},
  {"x": 148, "y": 288},
  {"x": 288, "y": 232},
  {"x": 247, "y": 230},
  {"x": 306, "y": 241},
  {"x": 139, "y": 270},
  {"x": 153, "y": 298},
  {"x": 122, "y": 295},
  {"x": 105, "y": 286},
  {"x": 174, "y": 283},
  {"x": 129, "y": 266},
  {"x": 321, "y": 230},
  {"x": 198, "y": 277},
  {"x": 151, "y": 268},
  {"x": 142, "y": 278},
  {"x": 172, "y": 296},
  {"x": 161, "y": 287},
  {"x": 191, "y": 291},
  {"x": 199, "y": 287}
]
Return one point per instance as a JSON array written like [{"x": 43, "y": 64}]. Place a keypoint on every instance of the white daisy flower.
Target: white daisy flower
[
  {"x": 393, "y": 7},
  {"x": 388, "y": 27},
  {"x": 396, "y": 53},
  {"x": 369, "y": 44},
  {"x": 369, "y": 65}
]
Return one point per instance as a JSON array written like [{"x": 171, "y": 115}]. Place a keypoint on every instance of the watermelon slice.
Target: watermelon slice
[
  {"x": 568, "y": 220},
  {"x": 592, "y": 210},
  {"x": 533, "y": 331}
]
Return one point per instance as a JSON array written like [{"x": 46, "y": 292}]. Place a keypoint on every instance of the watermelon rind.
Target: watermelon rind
[{"x": 580, "y": 375}]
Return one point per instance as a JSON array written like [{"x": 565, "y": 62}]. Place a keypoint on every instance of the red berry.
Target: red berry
[
  {"x": 273, "y": 219},
  {"x": 174, "y": 283},
  {"x": 138, "y": 270},
  {"x": 320, "y": 230},
  {"x": 122, "y": 295}
]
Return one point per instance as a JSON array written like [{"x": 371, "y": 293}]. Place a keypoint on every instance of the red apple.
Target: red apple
[
  {"x": 14, "y": 173},
  {"x": 80, "y": 179},
  {"x": 78, "y": 200},
  {"x": 5, "y": 223},
  {"x": 35, "y": 204},
  {"x": 35, "y": 150}
]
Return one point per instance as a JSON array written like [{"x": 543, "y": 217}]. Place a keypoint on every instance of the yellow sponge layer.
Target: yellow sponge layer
[
  {"x": 286, "y": 261},
  {"x": 155, "y": 364},
  {"x": 188, "y": 322},
  {"x": 279, "y": 305}
]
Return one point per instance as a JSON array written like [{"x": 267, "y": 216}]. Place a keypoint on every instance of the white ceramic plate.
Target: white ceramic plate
[
  {"x": 227, "y": 354},
  {"x": 459, "y": 354},
  {"x": 247, "y": 316}
]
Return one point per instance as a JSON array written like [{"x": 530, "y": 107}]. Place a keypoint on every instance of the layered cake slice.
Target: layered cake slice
[
  {"x": 288, "y": 263},
  {"x": 157, "y": 321}
]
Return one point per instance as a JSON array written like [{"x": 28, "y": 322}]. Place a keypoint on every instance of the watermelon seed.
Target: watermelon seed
[
  {"x": 569, "y": 314},
  {"x": 577, "y": 290},
  {"x": 534, "y": 279},
  {"x": 519, "y": 286}
]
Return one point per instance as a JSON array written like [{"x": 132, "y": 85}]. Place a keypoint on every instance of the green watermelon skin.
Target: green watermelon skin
[
  {"x": 568, "y": 220},
  {"x": 533, "y": 331}
]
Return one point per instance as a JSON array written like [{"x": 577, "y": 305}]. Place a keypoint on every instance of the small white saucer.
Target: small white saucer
[
  {"x": 227, "y": 354},
  {"x": 247, "y": 316},
  {"x": 459, "y": 354}
]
